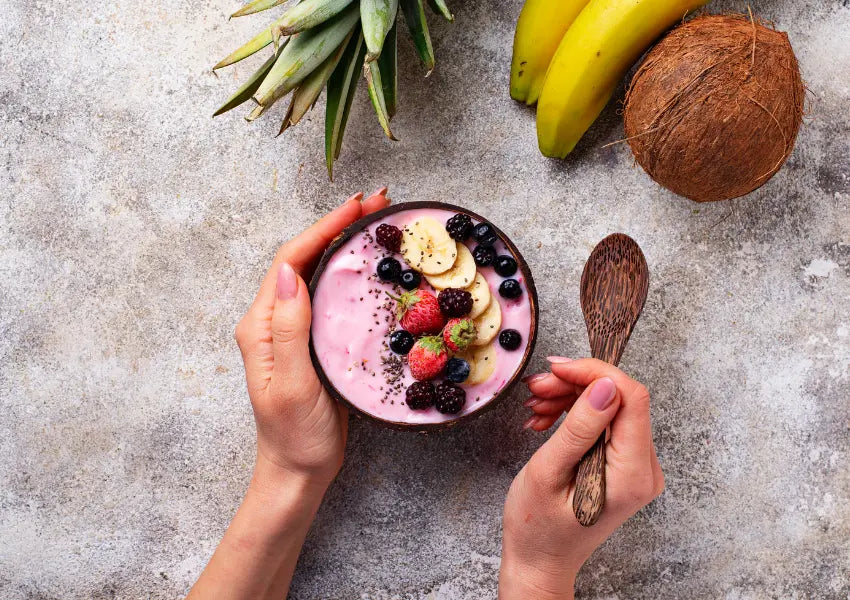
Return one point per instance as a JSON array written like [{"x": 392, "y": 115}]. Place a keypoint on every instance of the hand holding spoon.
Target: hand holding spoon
[{"x": 614, "y": 286}]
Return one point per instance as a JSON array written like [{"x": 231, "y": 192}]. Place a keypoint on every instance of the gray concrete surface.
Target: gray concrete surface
[{"x": 134, "y": 230}]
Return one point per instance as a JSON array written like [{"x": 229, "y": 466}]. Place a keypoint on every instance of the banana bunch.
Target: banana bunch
[{"x": 570, "y": 55}]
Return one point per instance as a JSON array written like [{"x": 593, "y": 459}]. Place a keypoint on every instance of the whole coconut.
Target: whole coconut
[{"x": 714, "y": 110}]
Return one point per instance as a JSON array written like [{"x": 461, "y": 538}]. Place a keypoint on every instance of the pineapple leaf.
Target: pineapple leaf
[
  {"x": 414, "y": 14},
  {"x": 257, "y": 43},
  {"x": 440, "y": 8},
  {"x": 248, "y": 88},
  {"x": 256, "y": 6},
  {"x": 309, "y": 14},
  {"x": 377, "y": 17},
  {"x": 306, "y": 94},
  {"x": 341, "y": 87},
  {"x": 304, "y": 53},
  {"x": 376, "y": 93},
  {"x": 388, "y": 64}
]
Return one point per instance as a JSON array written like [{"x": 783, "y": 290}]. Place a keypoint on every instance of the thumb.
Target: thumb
[
  {"x": 586, "y": 421},
  {"x": 290, "y": 329}
]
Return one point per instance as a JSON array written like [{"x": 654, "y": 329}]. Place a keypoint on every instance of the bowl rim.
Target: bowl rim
[{"x": 359, "y": 226}]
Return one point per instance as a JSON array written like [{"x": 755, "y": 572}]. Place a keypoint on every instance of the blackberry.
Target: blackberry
[
  {"x": 388, "y": 236},
  {"x": 389, "y": 269},
  {"x": 457, "y": 370},
  {"x": 449, "y": 398},
  {"x": 401, "y": 341},
  {"x": 420, "y": 395},
  {"x": 510, "y": 289},
  {"x": 484, "y": 234},
  {"x": 455, "y": 303},
  {"x": 483, "y": 255},
  {"x": 459, "y": 226},
  {"x": 410, "y": 279},
  {"x": 505, "y": 265},
  {"x": 510, "y": 339}
]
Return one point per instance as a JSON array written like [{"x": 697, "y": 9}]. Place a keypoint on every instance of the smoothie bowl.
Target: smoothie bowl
[{"x": 424, "y": 315}]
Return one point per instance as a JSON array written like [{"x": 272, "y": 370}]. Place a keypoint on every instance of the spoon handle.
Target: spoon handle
[{"x": 589, "y": 497}]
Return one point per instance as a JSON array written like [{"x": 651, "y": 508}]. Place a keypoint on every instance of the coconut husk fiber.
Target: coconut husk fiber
[{"x": 714, "y": 110}]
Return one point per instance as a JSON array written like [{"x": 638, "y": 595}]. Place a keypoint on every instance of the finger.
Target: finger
[
  {"x": 547, "y": 385},
  {"x": 293, "y": 372},
  {"x": 303, "y": 251},
  {"x": 549, "y": 406},
  {"x": 631, "y": 431},
  {"x": 540, "y": 422},
  {"x": 376, "y": 201},
  {"x": 586, "y": 421}
]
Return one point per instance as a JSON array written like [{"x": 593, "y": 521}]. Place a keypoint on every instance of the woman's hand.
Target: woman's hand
[
  {"x": 301, "y": 430},
  {"x": 544, "y": 545}
]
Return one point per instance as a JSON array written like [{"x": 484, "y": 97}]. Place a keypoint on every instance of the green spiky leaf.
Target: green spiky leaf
[
  {"x": 376, "y": 93},
  {"x": 305, "y": 52},
  {"x": 377, "y": 18},
  {"x": 256, "y": 6},
  {"x": 414, "y": 15},
  {"x": 310, "y": 13},
  {"x": 248, "y": 88},
  {"x": 341, "y": 87},
  {"x": 306, "y": 94},
  {"x": 388, "y": 64},
  {"x": 440, "y": 8},
  {"x": 257, "y": 43}
]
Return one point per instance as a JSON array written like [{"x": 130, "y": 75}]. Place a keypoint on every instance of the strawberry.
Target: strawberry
[
  {"x": 428, "y": 358},
  {"x": 419, "y": 312},
  {"x": 458, "y": 334}
]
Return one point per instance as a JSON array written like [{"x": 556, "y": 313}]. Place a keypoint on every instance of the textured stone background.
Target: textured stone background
[{"x": 134, "y": 230}]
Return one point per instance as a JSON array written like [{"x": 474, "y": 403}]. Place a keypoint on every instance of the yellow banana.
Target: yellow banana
[
  {"x": 596, "y": 52},
  {"x": 541, "y": 25}
]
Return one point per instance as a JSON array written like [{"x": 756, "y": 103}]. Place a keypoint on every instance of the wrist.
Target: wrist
[
  {"x": 521, "y": 579},
  {"x": 284, "y": 493}
]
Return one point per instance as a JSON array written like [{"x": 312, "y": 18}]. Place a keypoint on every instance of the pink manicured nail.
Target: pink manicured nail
[
  {"x": 358, "y": 196},
  {"x": 533, "y": 401},
  {"x": 287, "y": 282},
  {"x": 381, "y": 192},
  {"x": 534, "y": 378},
  {"x": 558, "y": 359},
  {"x": 602, "y": 393},
  {"x": 531, "y": 422}
]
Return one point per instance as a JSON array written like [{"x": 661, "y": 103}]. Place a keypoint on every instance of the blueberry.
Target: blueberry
[
  {"x": 484, "y": 255},
  {"x": 510, "y": 289},
  {"x": 484, "y": 234},
  {"x": 410, "y": 279},
  {"x": 457, "y": 370},
  {"x": 505, "y": 265},
  {"x": 389, "y": 269},
  {"x": 510, "y": 339},
  {"x": 401, "y": 341}
]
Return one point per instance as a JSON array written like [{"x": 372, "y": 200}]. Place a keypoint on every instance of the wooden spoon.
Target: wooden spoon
[{"x": 614, "y": 285}]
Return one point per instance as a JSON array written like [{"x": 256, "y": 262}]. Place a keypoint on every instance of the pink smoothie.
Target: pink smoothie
[{"x": 353, "y": 317}]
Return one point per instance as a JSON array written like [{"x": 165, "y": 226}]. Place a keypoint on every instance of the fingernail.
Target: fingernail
[
  {"x": 531, "y": 422},
  {"x": 533, "y": 401},
  {"x": 358, "y": 196},
  {"x": 534, "y": 378},
  {"x": 602, "y": 394},
  {"x": 381, "y": 191},
  {"x": 287, "y": 282},
  {"x": 558, "y": 359}
]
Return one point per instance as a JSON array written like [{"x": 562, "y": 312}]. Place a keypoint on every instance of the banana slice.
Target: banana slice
[
  {"x": 461, "y": 275},
  {"x": 488, "y": 323},
  {"x": 427, "y": 246},
  {"x": 482, "y": 363},
  {"x": 480, "y": 291}
]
